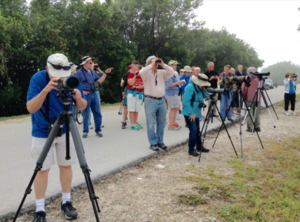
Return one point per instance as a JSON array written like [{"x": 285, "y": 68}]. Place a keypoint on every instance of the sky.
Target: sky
[{"x": 269, "y": 26}]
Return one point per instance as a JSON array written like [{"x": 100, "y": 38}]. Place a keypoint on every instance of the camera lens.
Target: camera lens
[{"x": 71, "y": 82}]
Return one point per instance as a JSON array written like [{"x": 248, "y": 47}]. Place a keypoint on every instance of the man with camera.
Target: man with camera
[
  {"x": 155, "y": 107},
  {"x": 90, "y": 84},
  {"x": 290, "y": 82},
  {"x": 248, "y": 93},
  {"x": 213, "y": 79},
  {"x": 44, "y": 105}
]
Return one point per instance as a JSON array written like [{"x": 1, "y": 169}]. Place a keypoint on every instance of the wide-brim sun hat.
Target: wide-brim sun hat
[
  {"x": 187, "y": 69},
  {"x": 73, "y": 67},
  {"x": 200, "y": 80},
  {"x": 85, "y": 59},
  {"x": 58, "y": 65}
]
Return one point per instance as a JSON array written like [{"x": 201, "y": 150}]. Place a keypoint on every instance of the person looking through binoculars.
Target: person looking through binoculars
[
  {"x": 44, "y": 105},
  {"x": 290, "y": 83},
  {"x": 90, "y": 84}
]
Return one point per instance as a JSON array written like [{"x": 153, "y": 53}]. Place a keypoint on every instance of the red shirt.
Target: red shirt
[{"x": 138, "y": 82}]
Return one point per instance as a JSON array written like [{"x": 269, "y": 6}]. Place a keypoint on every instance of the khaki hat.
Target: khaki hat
[
  {"x": 187, "y": 69},
  {"x": 58, "y": 65},
  {"x": 201, "y": 80}
]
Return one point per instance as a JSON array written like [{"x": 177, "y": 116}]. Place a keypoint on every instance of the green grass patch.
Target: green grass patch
[
  {"x": 13, "y": 117},
  {"x": 266, "y": 191}
]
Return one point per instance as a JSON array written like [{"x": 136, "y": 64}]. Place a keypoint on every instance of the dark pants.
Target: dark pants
[
  {"x": 287, "y": 99},
  {"x": 194, "y": 136}
]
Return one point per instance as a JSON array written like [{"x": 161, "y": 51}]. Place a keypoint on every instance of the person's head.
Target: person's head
[
  {"x": 288, "y": 75},
  {"x": 251, "y": 70},
  {"x": 58, "y": 65},
  {"x": 87, "y": 62},
  {"x": 227, "y": 69},
  {"x": 135, "y": 66},
  {"x": 181, "y": 72},
  {"x": 73, "y": 68},
  {"x": 173, "y": 64},
  {"x": 149, "y": 61},
  {"x": 187, "y": 71},
  {"x": 211, "y": 66},
  {"x": 193, "y": 68},
  {"x": 201, "y": 80},
  {"x": 129, "y": 68},
  {"x": 232, "y": 70},
  {"x": 197, "y": 71},
  {"x": 240, "y": 68}
]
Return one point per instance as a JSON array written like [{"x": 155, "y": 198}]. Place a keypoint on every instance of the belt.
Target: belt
[{"x": 152, "y": 97}]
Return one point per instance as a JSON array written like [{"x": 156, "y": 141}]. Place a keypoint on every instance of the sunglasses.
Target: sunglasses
[
  {"x": 156, "y": 80},
  {"x": 58, "y": 67}
]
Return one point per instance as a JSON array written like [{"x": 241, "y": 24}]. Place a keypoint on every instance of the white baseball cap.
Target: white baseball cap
[{"x": 58, "y": 65}]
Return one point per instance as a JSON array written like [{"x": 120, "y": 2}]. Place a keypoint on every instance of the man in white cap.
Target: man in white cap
[
  {"x": 89, "y": 80},
  {"x": 155, "y": 107},
  {"x": 43, "y": 104},
  {"x": 194, "y": 95}
]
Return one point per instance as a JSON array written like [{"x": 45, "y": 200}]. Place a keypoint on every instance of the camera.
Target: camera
[
  {"x": 158, "y": 61},
  {"x": 70, "y": 82},
  {"x": 294, "y": 76},
  {"x": 202, "y": 105}
]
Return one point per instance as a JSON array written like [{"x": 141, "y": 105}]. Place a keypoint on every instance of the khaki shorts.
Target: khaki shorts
[
  {"x": 173, "y": 101},
  {"x": 134, "y": 103},
  {"x": 59, "y": 144}
]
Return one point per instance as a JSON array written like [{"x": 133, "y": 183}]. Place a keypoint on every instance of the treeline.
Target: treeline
[
  {"x": 279, "y": 70},
  {"x": 114, "y": 33}
]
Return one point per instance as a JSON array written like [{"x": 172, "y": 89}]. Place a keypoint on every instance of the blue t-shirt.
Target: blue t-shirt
[
  {"x": 87, "y": 78},
  {"x": 292, "y": 89},
  {"x": 187, "y": 80},
  {"x": 172, "y": 90},
  {"x": 39, "y": 124}
]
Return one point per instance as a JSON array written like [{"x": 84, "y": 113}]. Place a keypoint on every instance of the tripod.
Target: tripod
[
  {"x": 240, "y": 96},
  {"x": 209, "y": 118},
  {"x": 122, "y": 103},
  {"x": 264, "y": 89},
  {"x": 256, "y": 100},
  {"x": 66, "y": 118}
]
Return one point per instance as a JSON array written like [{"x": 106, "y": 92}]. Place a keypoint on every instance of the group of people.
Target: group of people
[{"x": 158, "y": 89}]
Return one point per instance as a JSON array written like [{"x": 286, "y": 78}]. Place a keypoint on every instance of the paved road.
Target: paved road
[{"x": 115, "y": 150}]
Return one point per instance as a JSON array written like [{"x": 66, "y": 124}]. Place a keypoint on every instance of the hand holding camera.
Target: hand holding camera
[{"x": 52, "y": 84}]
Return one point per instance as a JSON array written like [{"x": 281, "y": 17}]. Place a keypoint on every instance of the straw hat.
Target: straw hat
[
  {"x": 187, "y": 69},
  {"x": 201, "y": 80}
]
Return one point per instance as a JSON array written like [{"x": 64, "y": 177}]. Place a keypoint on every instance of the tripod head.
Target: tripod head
[{"x": 63, "y": 95}]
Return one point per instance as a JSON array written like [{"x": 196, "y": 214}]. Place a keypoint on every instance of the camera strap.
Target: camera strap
[{"x": 46, "y": 115}]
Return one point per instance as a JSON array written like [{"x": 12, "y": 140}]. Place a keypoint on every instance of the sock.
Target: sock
[
  {"x": 66, "y": 197},
  {"x": 40, "y": 205}
]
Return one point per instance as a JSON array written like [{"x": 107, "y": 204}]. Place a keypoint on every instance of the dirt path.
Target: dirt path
[{"x": 150, "y": 193}]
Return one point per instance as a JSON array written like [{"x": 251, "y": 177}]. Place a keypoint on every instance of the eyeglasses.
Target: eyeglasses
[
  {"x": 58, "y": 67},
  {"x": 156, "y": 80}
]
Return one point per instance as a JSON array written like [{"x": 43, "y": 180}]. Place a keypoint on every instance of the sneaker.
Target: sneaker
[
  {"x": 162, "y": 146},
  {"x": 39, "y": 216},
  {"x": 257, "y": 129},
  {"x": 287, "y": 113},
  {"x": 294, "y": 113},
  {"x": 230, "y": 119},
  {"x": 84, "y": 135},
  {"x": 194, "y": 153},
  {"x": 91, "y": 127},
  {"x": 177, "y": 125},
  {"x": 204, "y": 150},
  {"x": 99, "y": 133},
  {"x": 215, "y": 115},
  {"x": 135, "y": 127},
  {"x": 68, "y": 211},
  {"x": 123, "y": 125},
  {"x": 202, "y": 118},
  {"x": 139, "y": 126},
  {"x": 154, "y": 148}
]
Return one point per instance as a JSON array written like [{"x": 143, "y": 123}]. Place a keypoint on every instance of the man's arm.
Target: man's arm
[
  {"x": 36, "y": 103},
  {"x": 169, "y": 72},
  {"x": 143, "y": 72},
  {"x": 103, "y": 77},
  {"x": 80, "y": 102}
]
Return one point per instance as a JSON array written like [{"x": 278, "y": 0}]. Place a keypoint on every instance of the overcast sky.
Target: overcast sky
[{"x": 269, "y": 26}]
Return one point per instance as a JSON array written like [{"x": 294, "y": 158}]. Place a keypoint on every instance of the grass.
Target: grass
[
  {"x": 13, "y": 117},
  {"x": 268, "y": 191}
]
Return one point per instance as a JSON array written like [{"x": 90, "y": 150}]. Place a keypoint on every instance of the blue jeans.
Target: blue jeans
[
  {"x": 194, "y": 136},
  {"x": 93, "y": 103},
  {"x": 90, "y": 123},
  {"x": 226, "y": 99},
  {"x": 156, "y": 111}
]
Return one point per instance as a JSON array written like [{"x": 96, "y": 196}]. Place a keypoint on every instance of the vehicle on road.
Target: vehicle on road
[{"x": 269, "y": 84}]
